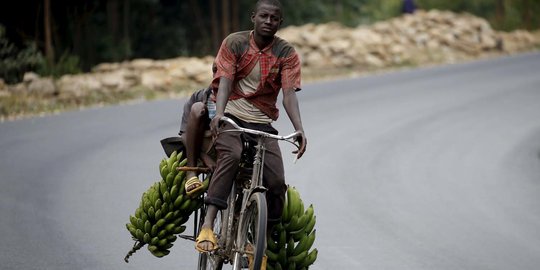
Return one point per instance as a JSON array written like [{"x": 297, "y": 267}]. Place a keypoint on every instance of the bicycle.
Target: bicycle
[{"x": 241, "y": 228}]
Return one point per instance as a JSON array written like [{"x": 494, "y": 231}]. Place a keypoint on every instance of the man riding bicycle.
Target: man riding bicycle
[{"x": 252, "y": 66}]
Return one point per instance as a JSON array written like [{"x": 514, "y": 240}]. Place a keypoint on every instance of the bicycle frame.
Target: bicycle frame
[{"x": 230, "y": 237}]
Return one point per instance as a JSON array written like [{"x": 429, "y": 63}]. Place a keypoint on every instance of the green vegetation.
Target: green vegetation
[{"x": 86, "y": 33}]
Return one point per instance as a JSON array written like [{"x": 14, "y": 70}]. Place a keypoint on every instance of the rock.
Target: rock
[
  {"x": 29, "y": 77},
  {"x": 43, "y": 87},
  {"x": 77, "y": 86}
]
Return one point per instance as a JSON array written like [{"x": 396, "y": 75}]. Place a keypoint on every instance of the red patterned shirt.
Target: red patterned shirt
[{"x": 279, "y": 63}]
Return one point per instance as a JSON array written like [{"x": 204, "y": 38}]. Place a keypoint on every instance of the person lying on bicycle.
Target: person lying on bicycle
[{"x": 252, "y": 67}]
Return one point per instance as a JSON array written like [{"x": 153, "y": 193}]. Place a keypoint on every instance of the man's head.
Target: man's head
[{"x": 267, "y": 17}]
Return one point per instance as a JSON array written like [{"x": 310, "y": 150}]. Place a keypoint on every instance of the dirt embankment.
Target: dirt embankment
[{"x": 327, "y": 50}]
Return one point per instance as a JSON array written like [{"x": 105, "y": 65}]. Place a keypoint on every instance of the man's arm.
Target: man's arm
[
  {"x": 290, "y": 103},
  {"x": 223, "y": 93}
]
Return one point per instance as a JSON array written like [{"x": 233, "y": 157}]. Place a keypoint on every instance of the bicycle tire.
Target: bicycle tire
[
  {"x": 209, "y": 260},
  {"x": 253, "y": 229}
]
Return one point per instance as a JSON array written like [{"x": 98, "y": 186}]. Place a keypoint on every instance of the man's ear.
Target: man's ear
[{"x": 253, "y": 17}]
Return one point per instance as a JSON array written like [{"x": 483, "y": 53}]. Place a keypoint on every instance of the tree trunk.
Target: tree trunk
[
  {"x": 200, "y": 22},
  {"x": 49, "y": 50},
  {"x": 527, "y": 14},
  {"x": 112, "y": 18},
  {"x": 225, "y": 18},
  {"x": 214, "y": 25},
  {"x": 126, "y": 40},
  {"x": 235, "y": 16},
  {"x": 499, "y": 13}
]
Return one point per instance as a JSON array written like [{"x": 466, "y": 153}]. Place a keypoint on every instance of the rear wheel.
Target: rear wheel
[{"x": 252, "y": 233}]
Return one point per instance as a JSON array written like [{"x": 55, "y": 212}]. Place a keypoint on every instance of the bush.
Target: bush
[{"x": 15, "y": 62}]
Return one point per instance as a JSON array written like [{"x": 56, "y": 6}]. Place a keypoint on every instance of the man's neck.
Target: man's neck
[{"x": 262, "y": 42}]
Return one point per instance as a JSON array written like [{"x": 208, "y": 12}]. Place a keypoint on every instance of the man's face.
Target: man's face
[{"x": 266, "y": 20}]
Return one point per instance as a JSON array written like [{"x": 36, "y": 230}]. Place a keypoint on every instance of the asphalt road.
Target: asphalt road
[{"x": 434, "y": 168}]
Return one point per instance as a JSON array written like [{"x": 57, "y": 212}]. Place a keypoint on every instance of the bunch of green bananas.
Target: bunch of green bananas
[
  {"x": 290, "y": 241},
  {"x": 163, "y": 210}
]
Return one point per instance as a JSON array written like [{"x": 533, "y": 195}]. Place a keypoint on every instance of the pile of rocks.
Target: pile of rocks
[{"x": 420, "y": 38}]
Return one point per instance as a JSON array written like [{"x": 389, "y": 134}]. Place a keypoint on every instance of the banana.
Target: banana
[
  {"x": 162, "y": 163},
  {"x": 146, "y": 238},
  {"x": 140, "y": 224},
  {"x": 178, "y": 178},
  {"x": 178, "y": 202},
  {"x": 158, "y": 215},
  {"x": 132, "y": 229},
  {"x": 163, "y": 188},
  {"x": 273, "y": 257},
  {"x": 185, "y": 204},
  {"x": 160, "y": 223},
  {"x": 298, "y": 205},
  {"x": 291, "y": 266},
  {"x": 305, "y": 243},
  {"x": 271, "y": 244},
  {"x": 182, "y": 162},
  {"x": 285, "y": 217},
  {"x": 138, "y": 212},
  {"x": 282, "y": 256},
  {"x": 140, "y": 234},
  {"x": 282, "y": 240},
  {"x": 172, "y": 159},
  {"x": 169, "y": 216},
  {"x": 310, "y": 258},
  {"x": 206, "y": 183},
  {"x": 157, "y": 204},
  {"x": 160, "y": 253},
  {"x": 152, "y": 248},
  {"x": 174, "y": 192},
  {"x": 165, "y": 208},
  {"x": 154, "y": 241},
  {"x": 290, "y": 247},
  {"x": 290, "y": 203},
  {"x": 170, "y": 227},
  {"x": 133, "y": 220},
  {"x": 170, "y": 178},
  {"x": 162, "y": 234},
  {"x": 147, "y": 227},
  {"x": 311, "y": 225},
  {"x": 298, "y": 258},
  {"x": 294, "y": 225},
  {"x": 162, "y": 242},
  {"x": 310, "y": 213},
  {"x": 171, "y": 238},
  {"x": 154, "y": 230},
  {"x": 164, "y": 171},
  {"x": 166, "y": 197},
  {"x": 179, "y": 229},
  {"x": 151, "y": 213}
]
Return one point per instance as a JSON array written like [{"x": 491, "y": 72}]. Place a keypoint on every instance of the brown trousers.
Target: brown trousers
[{"x": 228, "y": 147}]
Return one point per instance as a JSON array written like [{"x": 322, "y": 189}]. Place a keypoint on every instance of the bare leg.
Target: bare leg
[
  {"x": 211, "y": 214},
  {"x": 194, "y": 136}
]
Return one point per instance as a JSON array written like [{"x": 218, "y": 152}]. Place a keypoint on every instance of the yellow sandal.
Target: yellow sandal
[
  {"x": 207, "y": 235},
  {"x": 193, "y": 181}
]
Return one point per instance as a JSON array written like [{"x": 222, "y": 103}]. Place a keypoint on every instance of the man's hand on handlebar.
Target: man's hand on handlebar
[
  {"x": 302, "y": 141},
  {"x": 214, "y": 125}
]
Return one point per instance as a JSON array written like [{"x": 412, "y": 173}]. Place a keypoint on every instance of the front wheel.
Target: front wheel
[{"x": 252, "y": 233}]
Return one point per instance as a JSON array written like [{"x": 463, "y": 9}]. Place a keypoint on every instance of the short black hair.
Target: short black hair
[{"x": 275, "y": 3}]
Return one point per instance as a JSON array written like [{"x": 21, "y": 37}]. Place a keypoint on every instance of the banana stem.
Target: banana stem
[{"x": 138, "y": 245}]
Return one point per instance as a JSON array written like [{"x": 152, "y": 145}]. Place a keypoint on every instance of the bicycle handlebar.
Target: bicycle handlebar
[{"x": 258, "y": 132}]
